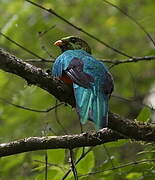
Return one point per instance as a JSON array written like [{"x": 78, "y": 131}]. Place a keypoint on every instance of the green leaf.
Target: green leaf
[
  {"x": 87, "y": 163},
  {"x": 10, "y": 162},
  {"x": 56, "y": 156},
  {"x": 144, "y": 115},
  {"x": 54, "y": 174},
  {"x": 134, "y": 176}
]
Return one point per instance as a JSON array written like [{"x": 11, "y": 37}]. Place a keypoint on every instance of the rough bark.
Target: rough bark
[
  {"x": 57, "y": 142},
  {"x": 121, "y": 127},
  {"x": 35, "y": 76}
]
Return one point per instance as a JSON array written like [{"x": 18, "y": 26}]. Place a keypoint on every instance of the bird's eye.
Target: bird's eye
[{"x": 73, "y": 40}]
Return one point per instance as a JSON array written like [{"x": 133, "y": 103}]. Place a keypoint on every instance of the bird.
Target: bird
[{"x": 91, "y": 80}]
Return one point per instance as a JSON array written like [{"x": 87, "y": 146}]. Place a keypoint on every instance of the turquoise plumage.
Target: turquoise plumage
[{"x": 92, "y": 83}]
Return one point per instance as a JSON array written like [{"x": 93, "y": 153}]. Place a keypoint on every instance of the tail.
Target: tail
[
  {"x": 100, "y": 110},
  {"x": 92, "y": 106}
]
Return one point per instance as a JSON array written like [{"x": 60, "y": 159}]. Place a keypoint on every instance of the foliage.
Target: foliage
[{"x": 22, "y": 22}]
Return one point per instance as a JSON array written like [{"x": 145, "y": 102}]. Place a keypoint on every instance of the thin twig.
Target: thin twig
[
  {"x": 51, "y": 11},
  {"x": 131, "y": 60},
  {"x": 30, "y": 109},
  {"x": 44, "y": 132},
  {"x": 46, "y": 31},
  {"x": 51, "y": 164},
  {"x": 22, "y": 47},
  {"x": 133, "y": 20},
  {"x": 114, "y": 62},
  {"x": 73, "y": 164},
  {"x": 118, "y": 167},
  {"x": 80, "y": 158},
  {"x": 43, "y": 47},
  {"x": 46, "y": 165}
]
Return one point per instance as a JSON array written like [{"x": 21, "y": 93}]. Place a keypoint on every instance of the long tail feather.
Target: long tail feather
[
  {"x": 84, "y": 99},
  {"x": 91, "y": 105},
  {"x": 100, "y": 110}
]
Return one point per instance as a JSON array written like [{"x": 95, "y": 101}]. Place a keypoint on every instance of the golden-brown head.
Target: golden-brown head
[{"x": 72, "y": 43}]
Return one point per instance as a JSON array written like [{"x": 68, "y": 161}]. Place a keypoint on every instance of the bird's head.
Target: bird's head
[{"x": 72, "y": 43}]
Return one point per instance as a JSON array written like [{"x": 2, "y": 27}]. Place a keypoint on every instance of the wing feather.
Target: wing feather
[{"x": 76, "y": 73}]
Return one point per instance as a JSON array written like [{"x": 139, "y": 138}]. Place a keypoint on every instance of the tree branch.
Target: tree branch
[
  {"x": 57, "y": 142},
  {"x": 130, "y": 60},
  {"x": 114, "y": 61},
  {"x": 129, "y": 129},
  {"x": 36, "y": 76},
  {"x": 123, "y": 128}
]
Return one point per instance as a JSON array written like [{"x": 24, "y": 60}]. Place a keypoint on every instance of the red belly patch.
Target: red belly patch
[{"x": 66, "y": 79}]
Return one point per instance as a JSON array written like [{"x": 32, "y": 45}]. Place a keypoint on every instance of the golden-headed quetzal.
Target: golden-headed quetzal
[{"x": 92, "y": 82}]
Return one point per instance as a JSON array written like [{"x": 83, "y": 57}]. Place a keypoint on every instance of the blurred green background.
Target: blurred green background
[{"x": 23, "y": 22}]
